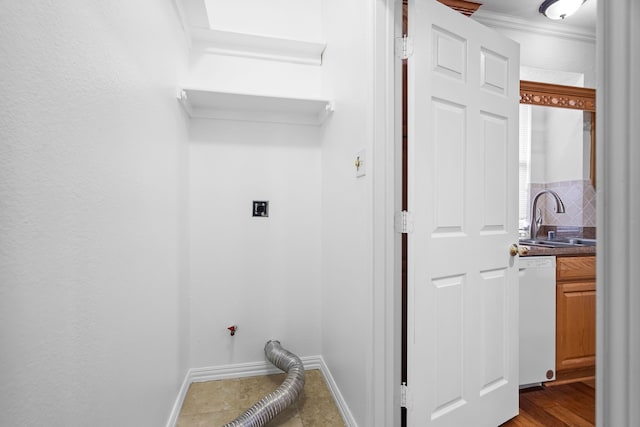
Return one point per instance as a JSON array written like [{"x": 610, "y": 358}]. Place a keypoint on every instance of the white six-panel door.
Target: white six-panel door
[{"x": 463, "y": 161}]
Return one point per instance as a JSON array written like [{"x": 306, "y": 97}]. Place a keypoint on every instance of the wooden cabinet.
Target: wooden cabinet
[{"x": 575, "y": 315}]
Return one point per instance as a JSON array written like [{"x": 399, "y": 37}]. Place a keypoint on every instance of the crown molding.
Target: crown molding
[{"x": 497, "y": 20}]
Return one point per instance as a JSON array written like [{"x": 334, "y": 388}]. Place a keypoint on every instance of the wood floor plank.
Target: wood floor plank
[
  {"x": 569, "y": 417},
  {"x": 541, "y": 397},
  {"x": 523, "y": 420},
  {"x": 574, "y": 401},
  {"x": 566, "y": 405},
  {"x": 581, "y": 387},
  {"x": 540, "y": 414}
]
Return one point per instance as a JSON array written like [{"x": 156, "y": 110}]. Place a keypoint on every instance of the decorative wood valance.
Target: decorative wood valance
[
  {"x": 463, "y": 6},
  {"x": 550, "y": 95}
]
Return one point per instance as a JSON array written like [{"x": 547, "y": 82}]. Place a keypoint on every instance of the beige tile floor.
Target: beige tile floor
[{"x": 215, "y": 403}]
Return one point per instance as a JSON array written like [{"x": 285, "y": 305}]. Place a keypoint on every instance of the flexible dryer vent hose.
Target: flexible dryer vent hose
[{"x": 283, "y": 397}]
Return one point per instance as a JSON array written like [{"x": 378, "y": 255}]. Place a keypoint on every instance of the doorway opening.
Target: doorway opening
[{"x": 404, "y": 206}]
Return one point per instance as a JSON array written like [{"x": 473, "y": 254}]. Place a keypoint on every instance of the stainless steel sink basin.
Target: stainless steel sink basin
[
  {"x": 584, "y": 242},
  {"x": 559, "y": 243},
  {"x": 548, "y": 243}
]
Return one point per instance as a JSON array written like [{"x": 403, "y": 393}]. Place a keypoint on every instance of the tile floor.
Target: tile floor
[{"x": 215, "y": 403}]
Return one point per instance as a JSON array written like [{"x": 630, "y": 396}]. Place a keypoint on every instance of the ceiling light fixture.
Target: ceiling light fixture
[{"x": 559, "y": 9}]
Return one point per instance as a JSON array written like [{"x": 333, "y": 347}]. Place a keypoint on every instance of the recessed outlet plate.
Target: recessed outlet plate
[{"x": 261, "y": 208}]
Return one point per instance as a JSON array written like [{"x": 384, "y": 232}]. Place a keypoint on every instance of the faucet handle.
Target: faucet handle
[{"x": 538, "y": 217}]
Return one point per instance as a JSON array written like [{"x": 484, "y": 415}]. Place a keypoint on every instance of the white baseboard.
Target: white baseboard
[
  {"x": 177, "y": 406},
  {"x": 347, "y": 417},
  {"x": 213, "y": 373}
]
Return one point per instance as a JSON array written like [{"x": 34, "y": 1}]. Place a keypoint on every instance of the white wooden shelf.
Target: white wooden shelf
[
  {"x": 257, "y": 46},
  {"x": 259, "y": 108}
]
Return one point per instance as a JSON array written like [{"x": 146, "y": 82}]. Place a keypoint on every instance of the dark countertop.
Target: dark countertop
[{"x": 569, "y": 251}]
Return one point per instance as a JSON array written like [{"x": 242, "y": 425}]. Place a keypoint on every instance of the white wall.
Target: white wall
[
  {"x": 261, "y": 273},
  {"x": 92, "y": 157},
  {"x": 264, "y": 274},
  {"x": 347, "y": 291},
  {"x": 276, "y": 18},
  {"x": 254, "y": 76}
]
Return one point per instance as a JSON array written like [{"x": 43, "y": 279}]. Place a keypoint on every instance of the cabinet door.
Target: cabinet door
[{"x": 576, "y": 325}]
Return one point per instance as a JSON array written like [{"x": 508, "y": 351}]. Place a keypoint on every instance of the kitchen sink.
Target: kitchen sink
[
  {"x": 559, "y": 243},
  {"x": 584, "y": 242}
]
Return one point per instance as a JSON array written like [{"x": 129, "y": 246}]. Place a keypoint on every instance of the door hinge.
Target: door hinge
[
  {"x": 404, "y": 222},
  {"x": 404, "y": 47},
  {"x": 403, "y": 395}
]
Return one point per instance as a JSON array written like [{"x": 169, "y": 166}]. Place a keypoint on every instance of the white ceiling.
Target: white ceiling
[{"x": 527, "y": 10}]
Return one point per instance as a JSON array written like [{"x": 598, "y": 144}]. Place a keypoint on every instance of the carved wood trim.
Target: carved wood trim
[
  {"x": 463, "y": 6},
  {"x": 551, "y": 95}
]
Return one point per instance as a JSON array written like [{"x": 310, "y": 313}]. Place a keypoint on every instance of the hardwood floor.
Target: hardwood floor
[{"x": 572, "y": 405}]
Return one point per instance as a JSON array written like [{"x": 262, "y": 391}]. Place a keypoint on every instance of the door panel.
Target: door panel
[
  {"x": 494, "y": 343},
  {"x": 494, "y": 144},
  {"x": 448, "y": 173},
  {"x": 462, "y": 185}
]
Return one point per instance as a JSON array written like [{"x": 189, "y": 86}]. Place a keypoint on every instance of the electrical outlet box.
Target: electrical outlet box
[{"x": 261, "y": 208}]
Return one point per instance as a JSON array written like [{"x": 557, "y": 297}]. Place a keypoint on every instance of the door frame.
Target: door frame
[
  {"x": 618, "y": 358},
  {"x": 383, "y": 398},
  {"x": 618, "y": 203}
]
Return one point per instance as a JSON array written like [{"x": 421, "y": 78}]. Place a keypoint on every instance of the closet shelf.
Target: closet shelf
[
  {"x": 257, "y": 46},
  {"x": 210, "y": 104}
]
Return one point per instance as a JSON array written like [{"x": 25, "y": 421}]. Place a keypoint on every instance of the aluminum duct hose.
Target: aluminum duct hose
[{"x": 283, "y": 397}]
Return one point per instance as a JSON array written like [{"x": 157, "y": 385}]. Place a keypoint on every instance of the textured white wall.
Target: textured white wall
[{"x": 92, "y": 156}]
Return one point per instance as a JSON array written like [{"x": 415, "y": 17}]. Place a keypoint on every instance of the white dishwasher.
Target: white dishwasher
[{"x": 537, "y": 320}]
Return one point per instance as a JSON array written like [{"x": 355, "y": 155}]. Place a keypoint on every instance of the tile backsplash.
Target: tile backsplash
[{"x": 579, "y": 198}]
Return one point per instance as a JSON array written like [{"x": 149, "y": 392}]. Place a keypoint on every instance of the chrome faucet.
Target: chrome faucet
[{"x": 559, "y": 209}]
